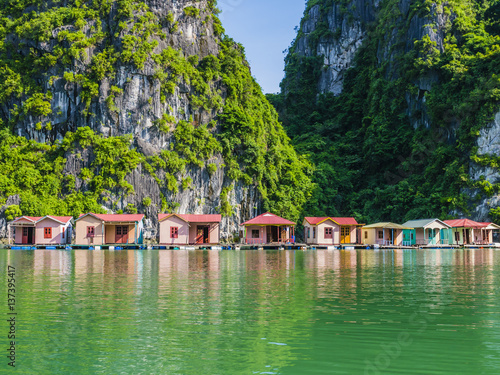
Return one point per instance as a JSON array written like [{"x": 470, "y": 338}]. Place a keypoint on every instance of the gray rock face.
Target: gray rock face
[
  {"x": 11, "y": 200},
  {"x": 139, "y": 105},
  {"x": 349, "y": 30},
  {"x": 488, "y": 143},
  {"x": 348, "y": 25},
  {"x": 136, "y": 110}
]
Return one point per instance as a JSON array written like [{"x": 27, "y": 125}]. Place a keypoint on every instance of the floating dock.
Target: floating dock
[{"x": 297, "y": 246}]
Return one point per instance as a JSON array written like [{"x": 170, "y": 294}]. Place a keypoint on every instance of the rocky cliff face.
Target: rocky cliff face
[
  {"x": 488, "y": 144},
  {"x": 139, "y": 69},
  {"x": 138, "y": 106},
  {"x": 336, "y": 32},
  {"x": 341, "y": 29}
]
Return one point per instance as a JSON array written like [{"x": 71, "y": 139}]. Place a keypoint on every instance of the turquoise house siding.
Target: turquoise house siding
[
  {"x": 409, "y": 236},
  {"x": 447, "y": 236}
]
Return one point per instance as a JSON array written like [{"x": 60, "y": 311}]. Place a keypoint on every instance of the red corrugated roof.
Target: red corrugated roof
[
  {"x": 63, "y": 219},
  {"x": 32, "y": 218},
  {"x": 345, "y": 220},
  {"x": 484, "y": 224},
  {"x": 463, "y": 223},
  {"x": 338, "y": 220},
  {"x": 268, "y": 219},
  {"x": 315, "y": 220},
  {"x": 194, "y": 218},
  {"x": 116, "y": 217}
]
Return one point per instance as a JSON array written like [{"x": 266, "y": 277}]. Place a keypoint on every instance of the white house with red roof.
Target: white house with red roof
[
  {"x": 104, "y": 229},
  {"x": 268, "y": 228},
  {"x": 41, "y": 230},
  {"x": 189, "y": 229},
  {"x": 329, "y": 230}
]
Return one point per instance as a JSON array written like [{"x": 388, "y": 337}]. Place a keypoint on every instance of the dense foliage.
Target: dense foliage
[
  {"x": 377, "y": 157},
  {"x": 82, "y": 44}
]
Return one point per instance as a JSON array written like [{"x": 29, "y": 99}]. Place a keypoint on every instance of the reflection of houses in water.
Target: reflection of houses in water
[
  {"x": 106, "y": 262},
  {"x": 89, "y": 262},
  {"x": 170, "y": 261},
  {"x": 52, "y": 262}
]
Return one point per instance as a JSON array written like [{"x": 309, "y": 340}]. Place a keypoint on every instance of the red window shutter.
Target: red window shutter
[
  {"x": 174, "y": 232},
  {"x": 90, "y": 231},
  {"x": 63, "y": 232},
  {"x": 47, "y": 232}
]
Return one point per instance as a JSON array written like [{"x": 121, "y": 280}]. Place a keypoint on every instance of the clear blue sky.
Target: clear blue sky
[{"x": 265, "y": 28}]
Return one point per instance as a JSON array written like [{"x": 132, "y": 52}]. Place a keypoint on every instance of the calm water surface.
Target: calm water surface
[{"x": 255, "y": 312}]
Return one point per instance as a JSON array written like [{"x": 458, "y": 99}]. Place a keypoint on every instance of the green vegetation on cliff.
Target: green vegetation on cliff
[
  {"x": 375, "y": 157},
  {"x": 82, "y": 45}
]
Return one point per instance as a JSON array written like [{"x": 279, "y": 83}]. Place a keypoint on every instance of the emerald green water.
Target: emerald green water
[{"x": 254, "y": 312}]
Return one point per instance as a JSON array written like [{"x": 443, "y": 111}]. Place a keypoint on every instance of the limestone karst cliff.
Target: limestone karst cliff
[
  {"x": 395, "y": 100},
  {"x": 124, "y": 105}
]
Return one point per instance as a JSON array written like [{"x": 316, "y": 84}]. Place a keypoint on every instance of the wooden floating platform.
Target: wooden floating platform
[{"x": 244, "y": 247}]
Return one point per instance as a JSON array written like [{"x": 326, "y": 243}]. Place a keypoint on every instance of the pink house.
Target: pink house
[
  {"x": 184, "y": 229},
  {"x": 486, "y": 233},
  {"x": 268, "y": 228},
  {"x": 104, "y": 229},
  {"x": 41, "y": 230},
  {"x": 330, "y": 230}
]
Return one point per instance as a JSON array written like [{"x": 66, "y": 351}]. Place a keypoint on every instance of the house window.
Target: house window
[
  {"x": 174, "y": 232},
  {"x": 366, "y": 235},
  {"x": 457, "y": 236},
  {"x": 255, "y": 233},
  {"x": 381, "y": 234},
  {"x": 90, "y": 232},
  {"x": 328, "y": 233},
  {"x": 411, "y": 235},
  {"x": 47, "y": 232},
  {"x": 63, "y": 232},
  {"x": 314, "y": 232},
  {"x": 308, "y": 232}
]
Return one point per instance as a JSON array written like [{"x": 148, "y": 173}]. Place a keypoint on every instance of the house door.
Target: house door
[
  {"x": 345, "y": 235},
  {"x": 202, "y": 234},
  {"x": 431, "y": 237},
  {"x": 27, "y": 236},
  {"x": 467, "y": 236},
  {"x": 121, "y": 234}
]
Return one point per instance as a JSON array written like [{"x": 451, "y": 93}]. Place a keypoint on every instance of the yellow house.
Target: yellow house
[
  {"x": 384, "y": 234},
  {"x": 330, "y": 230}
]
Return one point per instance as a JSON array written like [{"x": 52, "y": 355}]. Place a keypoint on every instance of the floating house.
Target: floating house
[
  {"x": 466, "y": 231},
  {"x": 330, "y": 230},
  {"x": 489, "y": 232},
  {"x": 184, "y": 229},
  {"x": 104, "y": 229},
  {"x": 384, "y": 234},
  {"x": 41, "y": 230},
  {"x": 427, "y": 232},
  {"x": 268, "y": 228}
]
